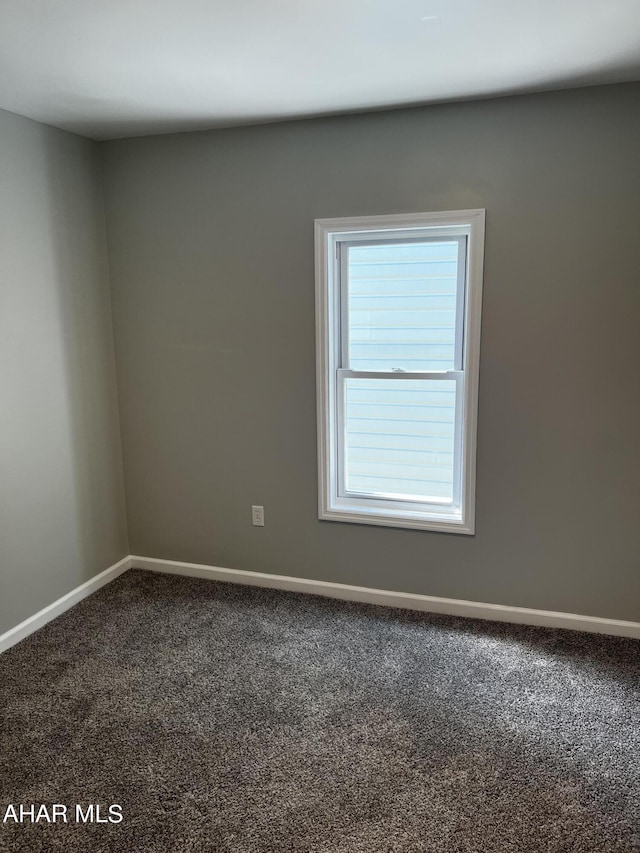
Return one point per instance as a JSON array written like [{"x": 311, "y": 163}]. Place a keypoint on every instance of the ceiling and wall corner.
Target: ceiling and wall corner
[{"x": 116, "y": 68}]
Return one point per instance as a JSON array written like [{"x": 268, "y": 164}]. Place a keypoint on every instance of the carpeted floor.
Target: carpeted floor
[{"x": 227, "y": 718}]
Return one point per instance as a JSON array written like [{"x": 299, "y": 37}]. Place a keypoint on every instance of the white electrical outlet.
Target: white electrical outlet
[{"x": 257, "y": 516}]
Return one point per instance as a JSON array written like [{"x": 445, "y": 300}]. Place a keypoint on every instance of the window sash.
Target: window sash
[
  {"x": 342, "y": 277},
  {"x": 397, "y": 502},
  {"x": 343, "y": 371}
]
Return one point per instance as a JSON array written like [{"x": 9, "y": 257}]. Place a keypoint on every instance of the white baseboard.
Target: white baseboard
[
  {"x": 39, "y": 619},
  {"x": 346, "y": 592},
  {"x": 407, "y": 600}
]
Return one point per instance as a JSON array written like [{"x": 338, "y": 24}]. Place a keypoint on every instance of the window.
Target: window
[{"x": 398, "y": 303}]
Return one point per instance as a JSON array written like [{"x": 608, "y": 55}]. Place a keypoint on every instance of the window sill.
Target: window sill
[{"x": 439, "y": 523}]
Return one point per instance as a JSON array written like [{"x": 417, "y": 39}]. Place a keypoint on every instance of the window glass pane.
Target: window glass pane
[
  {"x": 400, "y": 437},
  {"x": 402, "y": 305}
]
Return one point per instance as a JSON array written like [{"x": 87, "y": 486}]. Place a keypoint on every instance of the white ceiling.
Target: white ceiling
[{"x": 112, "y": 68}]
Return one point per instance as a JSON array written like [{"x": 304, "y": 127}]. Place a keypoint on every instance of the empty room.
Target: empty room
[{"x": 320, "y": 426}]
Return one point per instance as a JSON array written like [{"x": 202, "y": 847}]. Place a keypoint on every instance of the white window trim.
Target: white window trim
[{"x": 330, "y": 232}]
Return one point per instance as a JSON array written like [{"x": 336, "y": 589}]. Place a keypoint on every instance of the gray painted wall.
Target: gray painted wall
[
  {"x": 211, "y": 255},
  {"x": 62, "y": 514}
]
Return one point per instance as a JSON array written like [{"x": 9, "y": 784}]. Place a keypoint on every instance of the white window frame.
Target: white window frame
[{"x": 330, "y": 235}]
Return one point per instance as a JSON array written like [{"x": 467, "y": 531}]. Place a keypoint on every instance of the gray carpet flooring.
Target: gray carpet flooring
[{"x": 227, "y": 718}]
